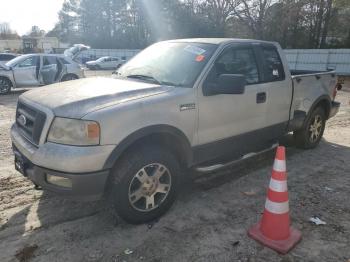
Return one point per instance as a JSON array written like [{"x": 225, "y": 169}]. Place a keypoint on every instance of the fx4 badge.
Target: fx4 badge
[{"x": 187, "y": 107}]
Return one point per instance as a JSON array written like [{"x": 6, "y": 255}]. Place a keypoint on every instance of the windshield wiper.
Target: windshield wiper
[
  {"x": 145, "y": 77},
  {"x": 170, "y": 83},
  {"x": 151, "y": 78}
]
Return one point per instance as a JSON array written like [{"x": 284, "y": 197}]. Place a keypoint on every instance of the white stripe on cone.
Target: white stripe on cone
[
  {"x": 278, "y": 186},
  {"x": 279, "y": 165},
  {"x": 277, "y": 208}
]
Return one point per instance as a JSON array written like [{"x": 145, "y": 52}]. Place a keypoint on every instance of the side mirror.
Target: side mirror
[{"x": 226, "y": 84}]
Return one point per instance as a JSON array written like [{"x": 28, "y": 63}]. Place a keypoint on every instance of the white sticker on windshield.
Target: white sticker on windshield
[{"x": 194, "y": 50}]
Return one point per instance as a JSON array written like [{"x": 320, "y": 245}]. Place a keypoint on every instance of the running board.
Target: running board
[{"x": 213, "y": 168}]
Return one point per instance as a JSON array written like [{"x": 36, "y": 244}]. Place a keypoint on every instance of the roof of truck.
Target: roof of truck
[{"x": 219, "y": 41}]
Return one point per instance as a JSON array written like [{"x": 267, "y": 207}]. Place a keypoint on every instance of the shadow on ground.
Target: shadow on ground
[{"x": 50, "y": 211}]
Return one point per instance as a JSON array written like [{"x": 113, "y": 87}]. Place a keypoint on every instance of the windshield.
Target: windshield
[
  {"x": 171, "y": 63},
  {"x": 16, "y": 60},
  {"x": 101, "y": 59}
]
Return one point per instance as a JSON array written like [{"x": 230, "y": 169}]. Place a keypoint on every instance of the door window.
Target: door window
[
  {"x": 31, "y": 61},
  {"x": 273, "y": 67},
  {"x": 236, "y": 61},
  {"x": 49, "y": 60}
]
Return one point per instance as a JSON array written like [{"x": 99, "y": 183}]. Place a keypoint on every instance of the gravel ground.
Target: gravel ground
[{"x": 209, "y": 221}]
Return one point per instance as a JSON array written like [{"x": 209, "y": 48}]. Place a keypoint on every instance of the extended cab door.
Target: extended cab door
[
  {"x": 278, "y": 88},
  {"x": 231, "y": 124},
  {"x": 26, "y": 73}
]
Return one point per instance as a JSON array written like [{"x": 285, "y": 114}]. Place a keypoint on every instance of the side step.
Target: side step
[{"x": 217, "y": 167}]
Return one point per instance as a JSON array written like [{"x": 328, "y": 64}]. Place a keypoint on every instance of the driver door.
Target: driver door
[
  {"x": 26, "y": 73},
  {"x": 230, "y": 124}
]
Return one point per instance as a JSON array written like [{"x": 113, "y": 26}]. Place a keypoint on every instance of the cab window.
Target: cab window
[
  {"x": 31, "y": 61},
  {"x": 49, "y": 60},
  {"x": 273, "y": 67}
]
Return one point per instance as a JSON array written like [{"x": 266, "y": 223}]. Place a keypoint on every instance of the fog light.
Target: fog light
[{"x": 59, "y": 181}]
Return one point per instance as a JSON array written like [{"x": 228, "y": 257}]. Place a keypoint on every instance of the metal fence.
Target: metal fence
[
  {"x": 319, "y": 60},
  {"x": 298, "y": 59}
]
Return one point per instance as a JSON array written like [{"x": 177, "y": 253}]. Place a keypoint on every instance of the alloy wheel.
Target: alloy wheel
[
  {"x": 149, "y": 187},
  {"x": 315, "y": 128},
  {"x": 4, "y": 86}
]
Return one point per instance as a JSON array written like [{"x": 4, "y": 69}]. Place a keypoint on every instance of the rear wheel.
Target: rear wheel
[
  {"x": 311, "y": 133},
  {"x": 145, "y": 184},
  {"x": 5, "y": 86},
  {"x": 69, "y": 77}
]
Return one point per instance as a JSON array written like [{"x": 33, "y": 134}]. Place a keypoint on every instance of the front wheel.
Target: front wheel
[
  {"x": 145, "y": 184},
  {"x": 5, "y": 86},
  {"x": 311, "y": 133}
]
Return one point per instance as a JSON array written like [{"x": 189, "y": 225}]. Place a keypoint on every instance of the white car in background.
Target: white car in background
[
  {"x": 33, "y": 70},
  {"x": 105, "y": 62}
]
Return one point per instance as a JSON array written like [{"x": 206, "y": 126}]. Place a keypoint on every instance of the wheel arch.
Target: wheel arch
[
  {"x": 13, "y": 84},
  {"x": 165, "y": 135},
  {"x": 323, "y": 101},
  {"x": 69, "y": 74}
]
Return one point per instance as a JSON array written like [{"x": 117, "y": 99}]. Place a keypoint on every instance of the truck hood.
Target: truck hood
[{"x": 74, "y": 99}]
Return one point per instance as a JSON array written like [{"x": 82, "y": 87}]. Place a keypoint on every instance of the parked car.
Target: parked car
[
  {"x": 183, "y": 104},
  {"x": 37, "y": 70},
  {"x": 5, "y": 57},
  {"x": 105, "y": 62}
]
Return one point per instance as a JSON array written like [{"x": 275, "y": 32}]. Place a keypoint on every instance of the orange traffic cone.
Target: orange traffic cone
[{"x": 274, "y": 228}]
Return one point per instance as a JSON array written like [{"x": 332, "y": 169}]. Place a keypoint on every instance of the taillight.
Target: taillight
[{"x": 335, "y": 90}]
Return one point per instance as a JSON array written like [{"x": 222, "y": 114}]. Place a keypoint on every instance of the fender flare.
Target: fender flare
[
  {"x": 300, "y": 116},
  {"x": 317, "y": 102},
  {"x": 147, "y": 131},
  {"x": 8, "y": 78}
]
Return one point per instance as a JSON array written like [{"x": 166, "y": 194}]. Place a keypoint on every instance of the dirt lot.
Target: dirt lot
[{"x": 207, "y": 223}]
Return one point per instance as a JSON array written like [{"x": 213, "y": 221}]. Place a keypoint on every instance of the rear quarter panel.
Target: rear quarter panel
[{"x": 308, "y": 88}]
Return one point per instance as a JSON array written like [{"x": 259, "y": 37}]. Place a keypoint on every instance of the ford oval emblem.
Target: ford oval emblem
[{"x": 22, "y": 120}]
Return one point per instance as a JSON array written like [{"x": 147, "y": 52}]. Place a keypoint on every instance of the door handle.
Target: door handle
[{"x": 261, "y": 97}]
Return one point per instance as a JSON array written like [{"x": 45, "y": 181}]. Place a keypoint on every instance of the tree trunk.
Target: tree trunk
[
  {"x": 319, "y": 22},
  {"x": 326, "y": 23}
]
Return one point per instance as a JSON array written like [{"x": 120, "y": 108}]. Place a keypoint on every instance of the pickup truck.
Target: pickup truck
[{"x": 196, "y": 104}]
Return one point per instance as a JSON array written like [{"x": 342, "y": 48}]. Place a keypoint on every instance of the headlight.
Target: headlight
[{"x": 74, "y": 132}]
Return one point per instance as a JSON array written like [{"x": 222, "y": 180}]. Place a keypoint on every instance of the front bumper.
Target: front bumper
[
  {"x": 334, "y": 109},
  {"x": 82, "y": 166},
  {"x": 83, "y": 186}
]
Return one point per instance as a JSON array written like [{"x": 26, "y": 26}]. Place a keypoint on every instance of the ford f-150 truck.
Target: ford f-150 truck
[{"x": 181, "y": 104}]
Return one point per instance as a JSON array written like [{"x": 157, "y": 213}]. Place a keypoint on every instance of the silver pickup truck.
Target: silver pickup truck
[{"x": 181, "y": 104}]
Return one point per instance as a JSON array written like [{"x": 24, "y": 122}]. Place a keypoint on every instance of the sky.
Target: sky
[{"x": 23, "y": 14}]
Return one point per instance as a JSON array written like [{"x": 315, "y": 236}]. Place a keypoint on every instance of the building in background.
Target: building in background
[
  {"x": 31, "y": 44},
  {"x": 11, "y": 45}
]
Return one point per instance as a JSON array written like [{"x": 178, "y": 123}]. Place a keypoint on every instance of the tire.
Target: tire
[
  {"x": 307, "y": 138},
  {"x": 5, "y": 86},
  {"x": 132, "y": 198},
  {"x": 69, "y": 77}
]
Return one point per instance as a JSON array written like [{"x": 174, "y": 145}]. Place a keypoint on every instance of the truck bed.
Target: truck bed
[
  {"x": 308, "y": 85},
  {"x": 308, "y": 72}
]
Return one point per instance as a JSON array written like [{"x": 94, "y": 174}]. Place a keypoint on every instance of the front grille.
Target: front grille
[{"x": 30, "y": 122}]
